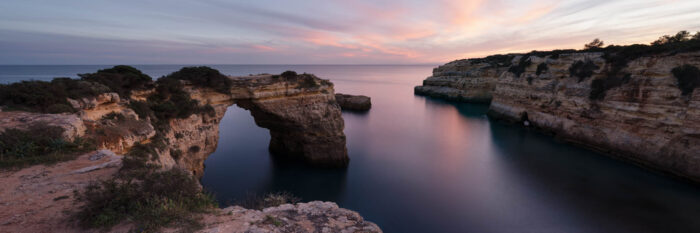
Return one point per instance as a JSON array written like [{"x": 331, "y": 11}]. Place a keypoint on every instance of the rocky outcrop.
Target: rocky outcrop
[
  {"x": 304, "y": 120},
  {"x": 359, "y": 103},
  {"x": 303, "y": 217},
  {"x": 462, "y": 80},
  {"x": 71, "y": 124},
  {"x": 637, "y": 113},
  {"x": 301, "y": 113}
]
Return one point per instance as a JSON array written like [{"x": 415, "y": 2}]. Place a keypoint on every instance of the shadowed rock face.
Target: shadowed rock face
[{"x": 639, "y": 115}]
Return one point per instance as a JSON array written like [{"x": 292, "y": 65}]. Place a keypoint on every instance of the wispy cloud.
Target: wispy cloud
[{"x": 321, "y": 31}]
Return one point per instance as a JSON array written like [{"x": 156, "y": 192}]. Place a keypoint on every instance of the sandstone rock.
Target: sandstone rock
[
  {"x": 353, "y": 102},
  {"x": 73, "y": 126},
  {"x": 645, "y": 119},
  {"x": 303, "y": 217}
]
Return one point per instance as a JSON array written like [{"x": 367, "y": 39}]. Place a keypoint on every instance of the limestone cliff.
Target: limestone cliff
[
  {"x": 301, "y": 112},
  {"x": 636, "y": 112}
]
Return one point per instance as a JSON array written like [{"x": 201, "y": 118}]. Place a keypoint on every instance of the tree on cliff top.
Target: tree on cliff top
[
  {"x": 596, "y": 43},
  {"x": 681, "y": 36}
]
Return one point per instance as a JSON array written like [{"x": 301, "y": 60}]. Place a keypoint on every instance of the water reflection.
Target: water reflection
[{"x": 424, "y": 165}]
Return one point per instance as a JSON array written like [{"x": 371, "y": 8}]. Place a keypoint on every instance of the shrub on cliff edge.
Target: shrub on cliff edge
[
  {"x": 688, "y": 77},
  {"x": 47, "y": 97},
  {"x": 159, "y": 199},
  {"x": 38, "y": 144},
  {"x": 204, "y": 77},
  {"x": 121, "y": 79}
]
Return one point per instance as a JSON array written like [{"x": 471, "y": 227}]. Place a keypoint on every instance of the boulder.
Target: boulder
[{"x": 353, "y": 102}]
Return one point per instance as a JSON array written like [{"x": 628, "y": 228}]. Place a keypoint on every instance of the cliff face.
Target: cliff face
[
  {"x": 463, "y": 80},
  {"x": 638, "y": 113},
  {"x": 304, "y": 120}
]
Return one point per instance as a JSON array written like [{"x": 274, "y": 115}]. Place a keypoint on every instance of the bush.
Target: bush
[
  {"x": 38, "y": 144},
  {"x": 541, "y": 68},
  {"x": 204, "y": 77},
  {"x": 582, "y": 69},
  {"x": 494, "y": 60},
  {"x": 142, "y": 109},
  {"x": 47, "y": 97},
  {"x": 120, "y": 79},
  {"x": 289, "y": 74},
  {"x": 159, "y": 199},
  {"x": 521, "y": 66},
  {"x": 309, "y": 81},
  {"x": 688, "y": 77},
  {"x": 599, "y": 87},
  {"x": 268, "y": 200}
]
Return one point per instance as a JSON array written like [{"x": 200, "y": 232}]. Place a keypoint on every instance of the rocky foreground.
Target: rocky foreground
[
  {"x": 634, "y": 103},
  {"x": 301, "y": 113}
]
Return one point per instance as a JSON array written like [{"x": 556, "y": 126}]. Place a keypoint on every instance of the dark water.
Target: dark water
[{"x": 423, "y": 165}]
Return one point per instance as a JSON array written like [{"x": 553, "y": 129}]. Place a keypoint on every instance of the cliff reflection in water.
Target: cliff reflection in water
[
  {"x": 424, "y": 165},
  {"x": 245, "y": 146}
]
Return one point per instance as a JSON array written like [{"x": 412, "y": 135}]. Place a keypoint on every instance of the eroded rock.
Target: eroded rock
[
  {"x": 642, "y": 116},
  {"x": 359, "y": 103}
]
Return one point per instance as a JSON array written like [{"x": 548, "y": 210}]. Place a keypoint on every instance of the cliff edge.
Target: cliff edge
[{"x": 639, "y": 103}]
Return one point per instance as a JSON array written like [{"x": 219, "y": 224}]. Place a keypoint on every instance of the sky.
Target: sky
[{"x": 321, "y": 31}]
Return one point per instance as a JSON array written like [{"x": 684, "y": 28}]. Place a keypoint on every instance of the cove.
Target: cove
[{"x": 424, "y": 165}]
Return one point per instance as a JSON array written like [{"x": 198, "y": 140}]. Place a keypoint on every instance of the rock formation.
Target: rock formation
[
  {"x": 304, "y": 120},
  {"x": 359, "y": 103},
  {"x": 303, "y": 217},
  {"x": 637, "y": 112}
]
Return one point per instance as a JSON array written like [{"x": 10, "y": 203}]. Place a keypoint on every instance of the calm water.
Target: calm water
[{"x": 423, "y": 165}]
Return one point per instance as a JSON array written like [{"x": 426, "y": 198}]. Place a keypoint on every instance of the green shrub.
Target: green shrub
[
  {"x": 541, "y": 68},
  {"x": 582, "y": 69},
  {"x": 142, "y": 108},
  {"x": 521, "y": 66},
  {"x": 120, "y": 79},
  {"x": 260, "y": 202},
  {"x": 159, "y": 199},
  {"x": 599, "y": 87},
  {"x": 38, "y": 144},
  {"x": 204, "y": 77},
  {"x": 494, "y": 60},
  {"x": 688, "y": 77},
  {"x": 308, "y": 81},
  {"x": 289, "y": 74},
  {"x": 47, "y": 97}
]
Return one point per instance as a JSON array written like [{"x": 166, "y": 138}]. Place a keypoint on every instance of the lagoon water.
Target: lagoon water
[{"x": 424, "y": 165}]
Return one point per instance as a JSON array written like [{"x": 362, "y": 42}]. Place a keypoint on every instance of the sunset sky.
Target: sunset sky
[{"x": 321, "y": 32}]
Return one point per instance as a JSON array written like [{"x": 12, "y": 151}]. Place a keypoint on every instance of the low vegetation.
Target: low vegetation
[
  {"x": 204, "y": 77},
  {"x": 688, "y": 78},
  {"x": 260, "y": 202},
  {"x": 542, "y": 68},
  {"x": 47, "y": 97},
  {"x": 160, "y": 198},
  {"x": 39, "y": 144},
  {"x": 519, "y": 69},
  {"x": 120, "y": 79},
  {"x": 600, "y": 86},
  {"x": 582, "y": 69}
]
